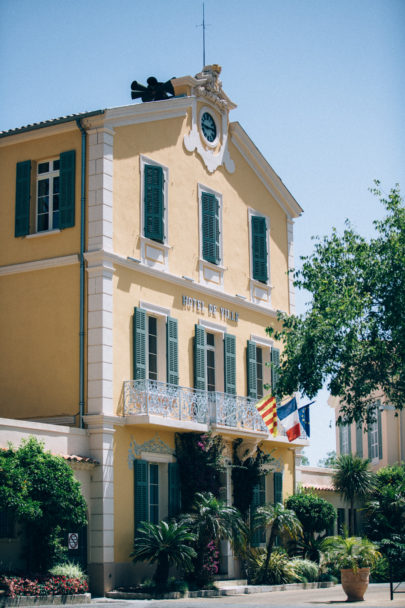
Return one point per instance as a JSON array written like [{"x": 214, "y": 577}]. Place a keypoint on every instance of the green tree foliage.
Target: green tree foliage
[
  {"x": 168, "y": 544},
  {"x": 247, "y": 470},
  {"x": 211, "y": 520},
  {"x": 42, "y": 493},
  {"x": 353, "y": 333},
  {"x": 328, "y": 461},
  {"x": 316, "y": 516},
  {"x": 352, "y": 479},
  {"x": 385, "y": 511},
  {"x": 280, "y": 521},
  {"x": 200, "y": 459}
]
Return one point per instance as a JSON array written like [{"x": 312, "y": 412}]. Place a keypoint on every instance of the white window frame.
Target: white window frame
[
  {"x": 153, "y": 253},
  {"x": 211, "y": 275},
  {"x": 161, "y": 314},
  {"x": 260, "y": 293},
  {"x": 374, "y": 447},
  {"x": 344, "y": 431},
  {"x": 219, "y": 331},
  {"x": 50, "y": 175}
]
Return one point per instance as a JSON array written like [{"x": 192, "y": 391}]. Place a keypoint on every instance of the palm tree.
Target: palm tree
[
  {"x": 280, "y": 521},
  {"x": 168, "y": 544},
  {"x": 211, "y": 520},
  {"x": 352, "y": 478}
]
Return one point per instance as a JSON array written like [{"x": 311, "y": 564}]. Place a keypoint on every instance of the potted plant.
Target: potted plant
[{"x": 353, "y": 556}]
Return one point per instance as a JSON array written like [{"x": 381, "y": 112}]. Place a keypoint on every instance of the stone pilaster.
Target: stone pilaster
[{"x": 100, "y": 201}]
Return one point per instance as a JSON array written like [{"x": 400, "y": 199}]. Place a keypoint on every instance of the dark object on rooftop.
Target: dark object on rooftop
[{"x": 155, "y": 91}]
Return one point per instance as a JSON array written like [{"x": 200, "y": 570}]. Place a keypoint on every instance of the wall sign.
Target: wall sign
[{"x": 212, "y": 310}]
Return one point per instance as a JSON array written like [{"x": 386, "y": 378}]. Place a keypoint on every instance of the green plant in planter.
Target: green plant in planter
[
  {"x": 168, "y": 544},
  {"x": 350, "y": 552}
]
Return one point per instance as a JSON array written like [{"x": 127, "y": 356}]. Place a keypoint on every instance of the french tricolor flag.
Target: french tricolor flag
[{"x": 288, "y": 416}]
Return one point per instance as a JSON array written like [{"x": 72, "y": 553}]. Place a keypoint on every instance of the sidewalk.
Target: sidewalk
[{"x": 377, "y": 596}]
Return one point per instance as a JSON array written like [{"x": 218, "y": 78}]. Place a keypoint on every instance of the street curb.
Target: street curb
[
  {"x": 237, "y": 590},
  {"x": 48, "y": 600}
]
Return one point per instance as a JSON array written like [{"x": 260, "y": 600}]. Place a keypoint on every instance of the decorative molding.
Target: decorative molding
[
  {"x": 67, "y": 260},
  {"x": 185, "y": 284},
  {"x": 193, "y": 141},
  {"x": 260, "y": 341},
  {"x": 155, "y": 309},
  {"x": 277, "y": 466},
  {"x": 290, "y": 249},
  {"x": 210, "y": 325},
  {"x": 36, "y": 235},
  {"x": 154, "y": 445},
  {"x": 176, "y": 107}
]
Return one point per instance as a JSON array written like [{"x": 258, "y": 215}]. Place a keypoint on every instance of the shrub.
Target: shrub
[
  {"x": 305, "y": 570},
  {"x": 280, "y": 569},
  {"x": 42, "y": 585},
  {"x": 69, "y": 570}
]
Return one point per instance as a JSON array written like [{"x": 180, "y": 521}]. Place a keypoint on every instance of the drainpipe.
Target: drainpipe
[{"x": 82, "y": 270}]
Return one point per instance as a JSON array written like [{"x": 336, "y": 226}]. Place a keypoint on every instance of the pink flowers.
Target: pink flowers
[
  {"x": 42, "y": 585},
  {"x": 211, "y": 563}
]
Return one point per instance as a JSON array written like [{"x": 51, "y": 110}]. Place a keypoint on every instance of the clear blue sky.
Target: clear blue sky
[{"x": 320, "y": 88}]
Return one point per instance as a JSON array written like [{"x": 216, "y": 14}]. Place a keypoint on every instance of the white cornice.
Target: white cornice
[
  {"x": 67, "y": 260},
  {"x": 264, "y": 171},
  {"x": 176, "y": 280},
  {"x": 147, "y": 112}
]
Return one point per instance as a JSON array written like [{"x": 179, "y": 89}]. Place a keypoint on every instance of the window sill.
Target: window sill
[
  {"x": 211, "y": 274},
  {"x": 36, "y": 235},
  {"x": 145, "y": 239},
  {"x": 260, "y": 293}
]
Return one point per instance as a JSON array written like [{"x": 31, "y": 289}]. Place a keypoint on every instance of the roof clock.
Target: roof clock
[{"x": 210, "y": 119}]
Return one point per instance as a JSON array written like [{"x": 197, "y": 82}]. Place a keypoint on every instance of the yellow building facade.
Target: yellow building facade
[{"x": 144, "y": 250}]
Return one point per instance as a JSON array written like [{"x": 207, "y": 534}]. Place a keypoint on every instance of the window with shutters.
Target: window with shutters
[
  {"x": 45, "y": 195},
  {"x": 259, "y": 370},
  {"x": 259, "y": 244},
  {"x": 345, "y": 439},
  {"x": 155, "y": 344},
  {"x": 154, "y": 213},
  {"x": 214, "y": 359},
  {"x": 211, "y": 242},
  {"x": 374, "y": 440},
  {"x": 156, "y": 488}
]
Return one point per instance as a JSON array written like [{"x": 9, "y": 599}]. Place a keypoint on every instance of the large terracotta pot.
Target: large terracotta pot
[{"x": 355, "y": 584}]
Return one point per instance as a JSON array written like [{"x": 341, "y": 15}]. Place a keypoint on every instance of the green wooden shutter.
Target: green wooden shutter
[
  {"x": 275, "y": 363},
  {"x": 22, "y": 198},
  {"x": 379, "y": 431},
  {"x": 349, "y": 437},
  {"x": 359, "y": 439},
  {"x": 251, "y": 367},
  {"x": 258, "y": 499},
  {"x": 230, "y": 364},
  {"x": 340, "y": 440},
  {"x": 153, "y": 199},
  {"x": 174, "y": 489},
  {"x": 210, "y": 227},
  {"x": 67, "y": 188},
  {"x": 172, "y": 359},
  {"x": 199, "y": 358},
  {"x": 139, "y": 343},
  {"x": 141, "y": 502},
  {"x": 259, "y": 249},
  {"x": 278, "y": 487},
  {"x": 369, "y": 443}
]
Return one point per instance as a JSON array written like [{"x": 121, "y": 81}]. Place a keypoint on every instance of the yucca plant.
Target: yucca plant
[
  {"x": 168, "y": 544},
  {"x": 350, "y": 552},
  {"x": 280, "y": 521},
  {"x": 280, "y": 567},
  {"x": 305, "y": 570}
]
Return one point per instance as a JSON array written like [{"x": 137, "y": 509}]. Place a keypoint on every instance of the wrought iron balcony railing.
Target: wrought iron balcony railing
[{"x": 192, "y": 405}]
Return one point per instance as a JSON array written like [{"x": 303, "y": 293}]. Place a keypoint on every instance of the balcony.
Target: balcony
[{"x": 149, "y": 398}]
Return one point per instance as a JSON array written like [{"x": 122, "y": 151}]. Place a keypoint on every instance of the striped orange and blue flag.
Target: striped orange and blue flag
[{"x": 268, "y": 411}]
